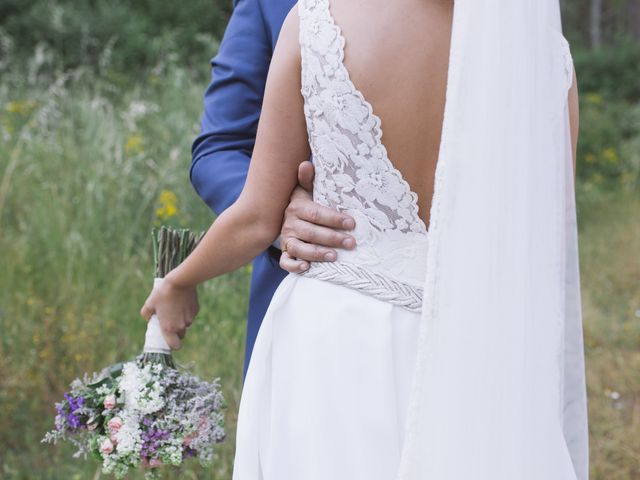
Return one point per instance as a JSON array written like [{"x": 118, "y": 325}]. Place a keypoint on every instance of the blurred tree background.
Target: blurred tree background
[
  {"x": 124, "y": 39},
  {"x": 99, "y": 103}
]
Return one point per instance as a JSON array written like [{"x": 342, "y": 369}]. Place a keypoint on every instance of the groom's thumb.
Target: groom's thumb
[{"x": 306, "y": 172}]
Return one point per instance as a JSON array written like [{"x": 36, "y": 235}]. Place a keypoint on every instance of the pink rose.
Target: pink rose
[
  {"x": 106, "y": 447},
  {"x": 114, "y": 424},
  {"x": 109, "y": 402}
]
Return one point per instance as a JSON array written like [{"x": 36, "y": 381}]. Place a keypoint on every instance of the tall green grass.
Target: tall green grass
[
  {"x": 610, "y": 264},
  {"x": 89, "y": 164},
  {"x": 87, "y": 168}
]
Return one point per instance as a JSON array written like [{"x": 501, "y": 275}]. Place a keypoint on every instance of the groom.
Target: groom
[{"x": 222, "y": 152}]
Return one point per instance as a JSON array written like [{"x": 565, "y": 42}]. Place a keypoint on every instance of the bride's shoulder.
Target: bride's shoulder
[{"x": 289, "y": 32}]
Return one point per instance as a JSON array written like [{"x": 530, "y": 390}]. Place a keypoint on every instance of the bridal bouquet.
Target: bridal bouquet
[{"x": 145, "y": 412}]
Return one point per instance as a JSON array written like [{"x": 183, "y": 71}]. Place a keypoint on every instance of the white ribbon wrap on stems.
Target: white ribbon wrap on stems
[{"x": 154, "y": 341}]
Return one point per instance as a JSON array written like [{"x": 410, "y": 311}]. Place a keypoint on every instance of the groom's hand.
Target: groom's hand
[{"x": 310, "y": 231}]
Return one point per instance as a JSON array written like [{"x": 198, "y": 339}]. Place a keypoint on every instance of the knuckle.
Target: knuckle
[
  {"x": 294, "y": 205},
  {"x": 289, "y": 212},
  {"x": 291, "y": 246},
  {"x": 293, "y": 254},
  {"x": 317, "y": 253},
  {"x": 313, "y": 213},
  {"x": 285, "y": 230},
  {"x": 309, "y": 233},
  {"x": 289, "y": 231}
]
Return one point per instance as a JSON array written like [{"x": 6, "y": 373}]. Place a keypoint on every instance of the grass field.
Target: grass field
[{"x": 89, "y": 165}]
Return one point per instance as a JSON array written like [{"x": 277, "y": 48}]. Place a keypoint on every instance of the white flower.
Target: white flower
[
  {"x": 103, "y": 390},
  {"x": 128, "y": 437},
  {"x": 142, "y": 391}
]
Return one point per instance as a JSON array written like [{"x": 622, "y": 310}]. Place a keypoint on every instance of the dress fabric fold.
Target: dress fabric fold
[{"x": 499, "y": 386}]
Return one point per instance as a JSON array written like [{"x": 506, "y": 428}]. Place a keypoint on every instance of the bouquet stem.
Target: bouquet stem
[{"x": 170, "y": 248}]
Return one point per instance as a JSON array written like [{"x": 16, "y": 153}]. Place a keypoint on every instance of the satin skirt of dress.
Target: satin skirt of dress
[{"x": 327, "y": 388}]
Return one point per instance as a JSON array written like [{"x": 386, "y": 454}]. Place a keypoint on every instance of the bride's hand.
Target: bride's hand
[{"x": 175, "y": 306}]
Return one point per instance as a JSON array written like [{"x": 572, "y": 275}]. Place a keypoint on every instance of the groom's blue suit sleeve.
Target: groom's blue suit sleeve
[
  {"x": 222, "y": 151},
  {"x": 232, "y": 103}
]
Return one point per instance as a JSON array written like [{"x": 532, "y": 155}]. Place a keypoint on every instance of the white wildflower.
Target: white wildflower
[
  {"x": 142, "y": 391},
  {"x": 129, "y": 438}
]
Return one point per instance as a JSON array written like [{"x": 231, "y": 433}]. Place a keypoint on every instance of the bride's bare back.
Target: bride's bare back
[{"x": 397, "y": 54}]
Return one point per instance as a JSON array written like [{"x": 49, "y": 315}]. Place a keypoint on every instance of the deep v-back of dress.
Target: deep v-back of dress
[
  {"x": 328, "y": 385},
  {"x": 354, "y": 173}
]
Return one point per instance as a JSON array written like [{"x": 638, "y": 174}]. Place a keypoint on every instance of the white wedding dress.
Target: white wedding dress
[
  {"x": 327, "y": 388},
  {"x": 452, "y": 354}
]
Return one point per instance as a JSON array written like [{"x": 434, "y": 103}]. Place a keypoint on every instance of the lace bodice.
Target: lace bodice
[{"x": 353, "y": 171}]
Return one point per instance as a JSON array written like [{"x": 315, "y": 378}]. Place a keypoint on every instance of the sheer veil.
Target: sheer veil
[{"x": 499, "y": 387}]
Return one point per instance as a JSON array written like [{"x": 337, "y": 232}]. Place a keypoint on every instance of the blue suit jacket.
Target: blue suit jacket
[{"x": 232, "y": 104}]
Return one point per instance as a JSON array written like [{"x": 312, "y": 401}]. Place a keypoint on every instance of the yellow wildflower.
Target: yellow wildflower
[
  {"x": 610, "y": 155},
  {"x": 134, "y": 144},
  {"x": 20, "y": 107},
  {"x": 168, "y": 205},
  {"x": 594, "y": 98},
  {"x": 590, "y": 158}
]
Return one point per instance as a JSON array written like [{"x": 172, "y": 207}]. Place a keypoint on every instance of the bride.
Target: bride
[{"x": 448, "y": 344}]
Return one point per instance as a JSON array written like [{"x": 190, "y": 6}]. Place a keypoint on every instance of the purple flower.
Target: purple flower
[
  {"x": 152, "y": 439},
  {"x": 71, "y": 418}
]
